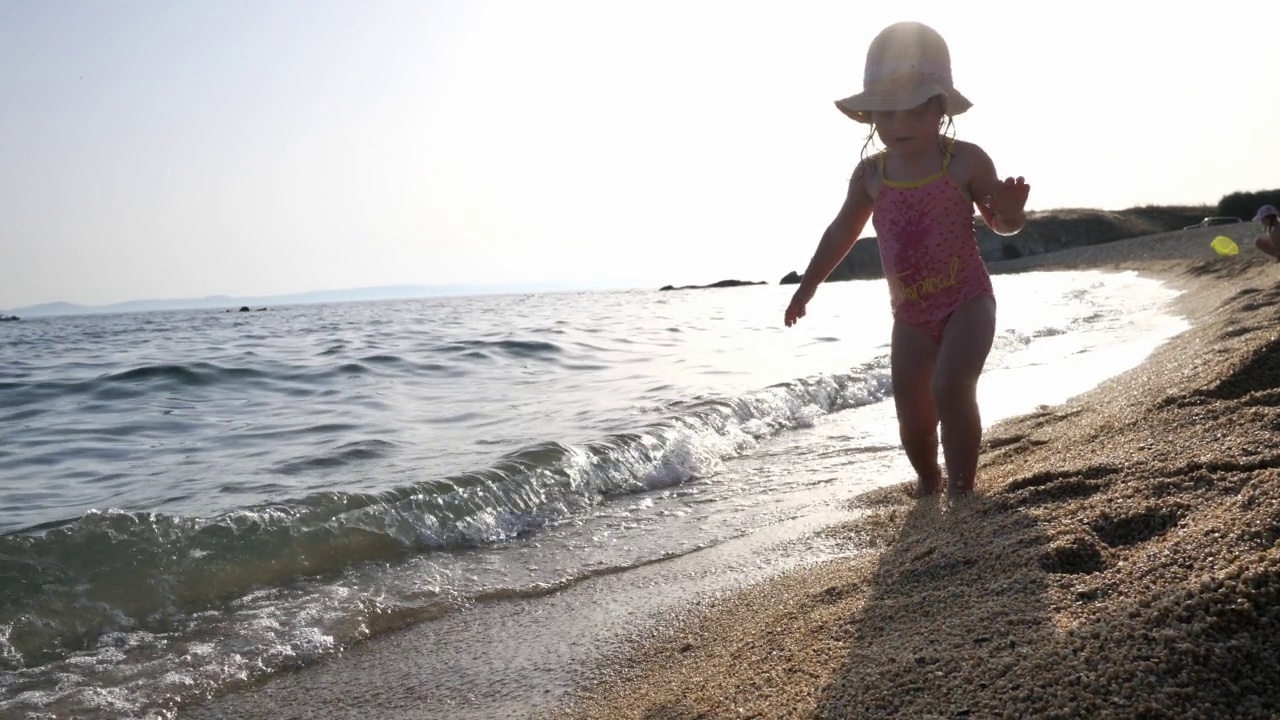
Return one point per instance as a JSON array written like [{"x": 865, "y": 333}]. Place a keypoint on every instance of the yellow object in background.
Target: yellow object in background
[{"x": 1225, "y": 245}]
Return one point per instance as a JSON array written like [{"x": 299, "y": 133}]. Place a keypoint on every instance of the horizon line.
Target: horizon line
[{"x": 403, "y": 291}]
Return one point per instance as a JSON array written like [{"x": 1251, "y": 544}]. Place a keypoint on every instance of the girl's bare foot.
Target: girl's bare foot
[
  {"x": 927, "y": 486},
  {"x": 958, "y": 489}
]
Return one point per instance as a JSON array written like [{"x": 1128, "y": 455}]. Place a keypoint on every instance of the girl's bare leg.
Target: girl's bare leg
[
  {"x": 912, "y": 361},
  {"x": 966, "y": 341}
]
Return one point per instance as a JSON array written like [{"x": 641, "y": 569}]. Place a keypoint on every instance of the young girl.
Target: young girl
[{"x": 921, "y": 191}]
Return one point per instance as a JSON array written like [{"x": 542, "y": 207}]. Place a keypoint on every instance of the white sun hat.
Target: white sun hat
[{"x": 907, "y": 63}]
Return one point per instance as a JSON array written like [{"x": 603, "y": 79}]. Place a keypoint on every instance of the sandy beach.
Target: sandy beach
[{"x": 1119, "y": 559}]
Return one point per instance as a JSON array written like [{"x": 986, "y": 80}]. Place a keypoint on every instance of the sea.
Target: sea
[{"x": 194, "y": 503}]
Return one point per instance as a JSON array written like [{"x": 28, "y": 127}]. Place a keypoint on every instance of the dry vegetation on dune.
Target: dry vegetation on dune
[
  {"x": 1170, "y": 250},
  {"x": 1120, "y": 559},
  {"x": 1051, "y": 230},
  {"x": 1045, "y": 232}
]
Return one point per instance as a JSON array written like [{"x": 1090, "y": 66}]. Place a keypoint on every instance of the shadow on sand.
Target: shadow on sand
[{"x": 949, "y": 609}]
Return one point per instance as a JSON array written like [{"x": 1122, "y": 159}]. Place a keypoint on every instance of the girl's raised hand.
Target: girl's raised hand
[{"x": 1009, "y": 198}]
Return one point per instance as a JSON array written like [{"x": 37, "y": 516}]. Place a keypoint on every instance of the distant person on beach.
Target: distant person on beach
[
  {"x": 1269, "y": 241},
  {"x": 920, "y": 192}
]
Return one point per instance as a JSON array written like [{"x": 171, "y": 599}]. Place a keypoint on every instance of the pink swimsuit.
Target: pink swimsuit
[{"x": 928, "y": 249}]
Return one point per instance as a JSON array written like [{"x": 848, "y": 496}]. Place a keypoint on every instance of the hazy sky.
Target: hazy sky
[{"x": 177, "y": 149}]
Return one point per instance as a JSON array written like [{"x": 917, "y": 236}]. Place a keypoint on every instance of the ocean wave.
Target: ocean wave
[
  {"x": 135, "y": 382},
  {"x": 65, "y": 586},
  {"x": 191, "y": 375},
  {"x": 175, "y": 379},
  {"x": 506, "y": 347},
  {"x": 249, "y": 371}
]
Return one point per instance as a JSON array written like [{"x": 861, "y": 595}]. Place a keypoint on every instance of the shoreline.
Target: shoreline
[
  {"x": 774, "y": 646},
  {"x": 1119, "y": 559}
]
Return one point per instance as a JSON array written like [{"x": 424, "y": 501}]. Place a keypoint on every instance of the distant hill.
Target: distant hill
[
  {"x": 228, "y": 302},
  {"x": 1045, "y": 231},
  {"x": 57, "y": 308}
]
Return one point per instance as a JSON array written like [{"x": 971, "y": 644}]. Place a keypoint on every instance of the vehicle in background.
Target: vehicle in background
[{"x": 1211, "y": 221}]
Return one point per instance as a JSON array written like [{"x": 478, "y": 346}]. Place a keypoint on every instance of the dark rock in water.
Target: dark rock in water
[
  {"x": 9, "y": 318},
  {"x": 261, "y": 309},
  {"x": 244, "y": 308},
  {"x": 791, "y": 278},
  {"x": 720, "y": 284}
]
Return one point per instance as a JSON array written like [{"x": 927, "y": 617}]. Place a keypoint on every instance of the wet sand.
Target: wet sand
[{"x": 1119, "y": 558}]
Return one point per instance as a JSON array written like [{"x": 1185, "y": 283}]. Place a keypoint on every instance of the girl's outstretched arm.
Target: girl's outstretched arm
[
  {"x": 1001, "y": 203},
  {"x": 836, "y": 242}
]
